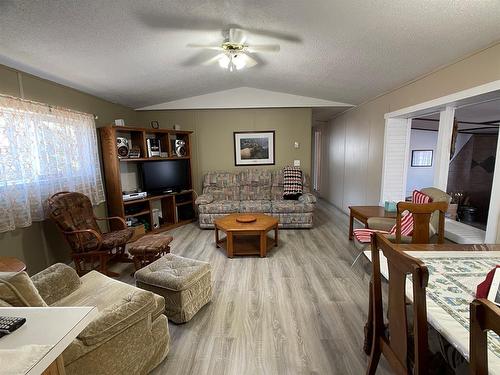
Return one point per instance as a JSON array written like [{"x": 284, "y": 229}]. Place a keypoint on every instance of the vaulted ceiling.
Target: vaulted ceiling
[{"x": 134, "y": 52}]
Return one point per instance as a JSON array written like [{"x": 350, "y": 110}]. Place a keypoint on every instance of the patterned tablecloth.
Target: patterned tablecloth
[{"x": 453, "y": 278}]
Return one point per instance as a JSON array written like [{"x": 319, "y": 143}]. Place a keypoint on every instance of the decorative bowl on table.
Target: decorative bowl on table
[{"x": 246, "y": 219}]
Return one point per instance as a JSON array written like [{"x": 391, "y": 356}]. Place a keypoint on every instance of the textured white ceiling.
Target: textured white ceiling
[{"x": 133, "y": 52}]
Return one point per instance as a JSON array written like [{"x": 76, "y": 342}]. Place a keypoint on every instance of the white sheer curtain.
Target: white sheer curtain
[{"x": 43, "y": 151}]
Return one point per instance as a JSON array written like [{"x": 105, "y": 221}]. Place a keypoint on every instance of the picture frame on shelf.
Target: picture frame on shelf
[{"x": 254, "y": 148}]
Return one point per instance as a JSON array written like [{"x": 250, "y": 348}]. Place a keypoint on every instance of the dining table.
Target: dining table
[{"x": 455, "y": 270}]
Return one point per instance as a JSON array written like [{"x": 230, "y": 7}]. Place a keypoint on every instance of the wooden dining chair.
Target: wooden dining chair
[
  {"x": 422, "y": 214},
  {"x": 484, "y": 316},
  {"x": 392, "y": 339}
]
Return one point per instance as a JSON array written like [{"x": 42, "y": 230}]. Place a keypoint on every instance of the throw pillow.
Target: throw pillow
[
  {"x": 18, "y": 290},
  {"x": 420, "y": 198},
  {"x": 292, "y": 183},
  {"x": 406, "y": 225}
]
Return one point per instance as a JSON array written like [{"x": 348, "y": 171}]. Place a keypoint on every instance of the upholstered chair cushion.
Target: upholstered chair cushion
[
  {"x": 255, "y": 184},
  {"x": 56, "y": 282},
  {"x": 307, "y": 198},
  {"x": 204, "y": 199},
  {"x": 4, "y": 303},
  {"x": 290, "y": 206},
  {"x": 114, "y": 319},
  {"x": 222, "y": 185},
  {"x": 255, "y": 206},
  {"x": 18, "y": 290},
  {"x": 73, "y": 211},
  {"x": 220, "y": 207}
]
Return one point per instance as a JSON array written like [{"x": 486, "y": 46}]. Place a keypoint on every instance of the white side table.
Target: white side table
[{"x": 38, "y": 344}]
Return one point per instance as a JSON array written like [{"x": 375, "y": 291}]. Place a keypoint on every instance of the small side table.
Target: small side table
[
  {"x": 48, "y": 330},
  {"x": 363, "y": 213},
  {"x": 11, "y": 264}
]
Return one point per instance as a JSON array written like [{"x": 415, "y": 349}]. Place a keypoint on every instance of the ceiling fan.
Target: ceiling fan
[{"x": 235, "y": 52}]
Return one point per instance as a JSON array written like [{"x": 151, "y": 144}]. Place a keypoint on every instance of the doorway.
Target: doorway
[
  {"x": 316, "y": 159},
  {"x": 460, "y": 117}
]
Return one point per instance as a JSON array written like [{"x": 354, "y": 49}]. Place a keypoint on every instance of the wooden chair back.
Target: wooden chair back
[
  {"x": 394, "y": 345},
  {"x": 484, "y": 316},
  {"x": 421, "y": 219},
  {"x": 72, "y": 212}
]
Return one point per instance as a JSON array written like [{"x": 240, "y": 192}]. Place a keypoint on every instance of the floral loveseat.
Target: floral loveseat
[{"x": 253, "y": 190}]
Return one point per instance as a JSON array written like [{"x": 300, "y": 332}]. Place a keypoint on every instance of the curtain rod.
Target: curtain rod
[{"x": 49, "y": 105}]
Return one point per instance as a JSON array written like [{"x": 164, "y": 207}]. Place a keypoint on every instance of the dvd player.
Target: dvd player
[{"x": 128, "y": 196}]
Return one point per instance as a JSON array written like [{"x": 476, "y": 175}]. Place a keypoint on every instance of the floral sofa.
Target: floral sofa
[{"x": 253, "y": 190}]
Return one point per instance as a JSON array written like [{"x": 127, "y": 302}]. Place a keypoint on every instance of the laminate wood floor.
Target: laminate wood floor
[{"x": 301, "y": 310}]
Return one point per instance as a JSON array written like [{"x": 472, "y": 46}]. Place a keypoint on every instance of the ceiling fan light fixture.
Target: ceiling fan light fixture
[
  {"x": 239, "y": 61},
  {"x": 232, "y": 61},
  {"x": 236, "y": 53},
  {"x": 224, "y": 61}
]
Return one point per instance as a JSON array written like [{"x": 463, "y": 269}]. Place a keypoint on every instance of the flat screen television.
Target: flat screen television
[{"x": 166, "y": 176}]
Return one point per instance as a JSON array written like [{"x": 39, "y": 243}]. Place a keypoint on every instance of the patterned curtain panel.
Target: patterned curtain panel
[{"x": 43, "y": 151}]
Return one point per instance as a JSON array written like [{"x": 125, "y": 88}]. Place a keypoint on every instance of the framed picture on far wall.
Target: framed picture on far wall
[
  {"x": 421, "y": 158},
  {"x": 254, "y": 148}
]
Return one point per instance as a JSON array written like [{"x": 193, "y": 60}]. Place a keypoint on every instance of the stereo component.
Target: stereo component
[
  {"x": 154, "y": 148},
  {"x": 134, "y": 153},
  {"x": 180, "y": 148},
  {"x": 164, "y": 154},
  {"x": 122, "y": 147},
  {"x": 128, "y": 196}
]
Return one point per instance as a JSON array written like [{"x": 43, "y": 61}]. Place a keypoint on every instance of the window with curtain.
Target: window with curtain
[{"x": 43, "y": 151}]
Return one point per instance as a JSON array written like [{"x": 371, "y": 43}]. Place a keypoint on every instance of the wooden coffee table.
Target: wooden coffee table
[
  {"x": 363, "y": 213},
  {"x": 246, "y": 238}
]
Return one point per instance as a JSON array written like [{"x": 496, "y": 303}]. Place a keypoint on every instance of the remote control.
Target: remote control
[{"x": 9, "y": 324}]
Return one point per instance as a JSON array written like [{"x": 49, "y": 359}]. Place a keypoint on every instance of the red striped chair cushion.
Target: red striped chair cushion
[
  {"x": 365, "y": 235},
  {"x": 406, "y": 225},
  {"x": 420, "y": 198}
]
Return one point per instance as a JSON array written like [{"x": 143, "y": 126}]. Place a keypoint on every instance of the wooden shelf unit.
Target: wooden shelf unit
[{"x": 169, "y": 204}]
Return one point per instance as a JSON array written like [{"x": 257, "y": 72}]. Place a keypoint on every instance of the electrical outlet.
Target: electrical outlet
[{"x": 296, "y": 163}]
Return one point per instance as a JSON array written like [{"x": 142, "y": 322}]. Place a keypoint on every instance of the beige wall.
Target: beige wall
[
  {"x": 353, "y": 176},
  {"x": 213, "y": 134},
  {"x": 40, "y": 244}
]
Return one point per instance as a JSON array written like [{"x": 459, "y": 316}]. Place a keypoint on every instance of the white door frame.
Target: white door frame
[
  {"x": 395, "y": 163},
  {"x": 446, "y": 106},
  {"x": 443, "y": 146}
]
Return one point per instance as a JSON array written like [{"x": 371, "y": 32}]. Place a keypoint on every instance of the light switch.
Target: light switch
[
  {"x": 296, "y": 144},
  {"x": 296, "y": 163}
]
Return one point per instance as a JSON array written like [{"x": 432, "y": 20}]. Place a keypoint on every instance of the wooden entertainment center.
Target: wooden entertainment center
[{"x": 176, "y": 208}]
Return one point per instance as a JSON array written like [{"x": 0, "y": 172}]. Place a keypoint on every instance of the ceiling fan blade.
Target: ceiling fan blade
[
  {"x": 205, "y": 46},
  {"x": 263, "y": 48},
  {"x": 214, "y": 59},
  {"x": 276, "y": 35},
  {"x": 249, "y": 61},
  {"x": 177, "y": 22},
  {"x": 237, "y": 36},
  {"x": 199, "y": 57}
]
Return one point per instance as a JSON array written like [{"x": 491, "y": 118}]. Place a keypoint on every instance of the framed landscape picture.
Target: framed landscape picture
[{"x": 254, "y": 148}]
